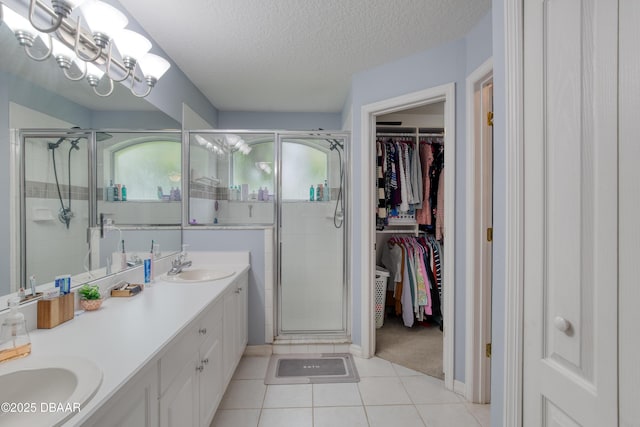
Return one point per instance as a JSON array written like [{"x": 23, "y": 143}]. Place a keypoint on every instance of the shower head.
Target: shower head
[
  {"x": 334, "y": 144},
  {"x": 100, "y": 136},
  {"x": 54, "y": 145}
]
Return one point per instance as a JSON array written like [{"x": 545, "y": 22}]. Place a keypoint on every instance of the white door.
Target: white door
[
  {"x": 629, "y": 193},
  {"x": 570, "y": 213}
]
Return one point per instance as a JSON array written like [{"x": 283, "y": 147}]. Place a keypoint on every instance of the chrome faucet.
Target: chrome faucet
[{"x": 178, "y": 264}]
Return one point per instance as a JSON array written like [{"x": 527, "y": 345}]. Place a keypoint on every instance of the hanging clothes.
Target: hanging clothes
[
  {"x": 398, "y": 188},
  {"x": 423, "y": 215},
  {"x": 417, "y": 290},
  {"x": 440, "y": 208}
]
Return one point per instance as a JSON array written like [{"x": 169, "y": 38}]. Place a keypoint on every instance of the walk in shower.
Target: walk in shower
[
  {"x": 55, "y": 186},
  {"x": 296, "y": 183},
  {"x": 311, "y": 235}
]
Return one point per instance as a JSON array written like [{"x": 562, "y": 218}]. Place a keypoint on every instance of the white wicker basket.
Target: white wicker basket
[{"x": 381, "y": 295}]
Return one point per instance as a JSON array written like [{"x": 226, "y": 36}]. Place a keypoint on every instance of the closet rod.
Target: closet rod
[
  {"x": 431, "y": 134},
  {"x": 396, "y": 134},
  {"x": 386, "y": 231}
]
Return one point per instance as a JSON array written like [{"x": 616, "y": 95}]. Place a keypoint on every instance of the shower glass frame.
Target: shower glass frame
[
  {"x": 346, "y": 302},
  {"x": 345, "y": 331},
  {"x": 22, "y": 136},
  {"x": 186, "y": 183}
]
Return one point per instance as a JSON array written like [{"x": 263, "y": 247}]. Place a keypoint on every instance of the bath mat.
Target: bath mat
[{"x": 311, "y": 369}]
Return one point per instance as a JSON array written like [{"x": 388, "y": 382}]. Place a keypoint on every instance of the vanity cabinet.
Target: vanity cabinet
[
  {"x": 135, "y": 406},
  {"x": 191, "y": 372},
  {"x": 195, "y": 371},
  {"x": 183, "y": 385},
  {"x": 235, "y": 336}
]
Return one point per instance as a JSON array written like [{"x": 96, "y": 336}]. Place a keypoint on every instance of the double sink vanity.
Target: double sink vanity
[{"x": 161, "y": 358}]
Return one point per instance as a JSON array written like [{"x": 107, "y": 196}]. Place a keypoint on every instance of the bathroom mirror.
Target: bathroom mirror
[{"x": 36, "y": 95}]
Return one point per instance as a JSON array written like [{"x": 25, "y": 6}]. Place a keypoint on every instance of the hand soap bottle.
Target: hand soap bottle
[{"x": 14, "y": 338}]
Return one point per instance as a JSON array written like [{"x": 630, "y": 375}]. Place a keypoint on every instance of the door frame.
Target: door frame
[
  {"x": 369, "y": 112},
  {"x": 511, "y": 129},
  {"x": 478, "y": 284}
]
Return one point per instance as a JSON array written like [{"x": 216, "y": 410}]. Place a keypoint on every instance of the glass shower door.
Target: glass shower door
[
  {"x": 311, "y": 235},
  {"x": 55, "y": 199}
]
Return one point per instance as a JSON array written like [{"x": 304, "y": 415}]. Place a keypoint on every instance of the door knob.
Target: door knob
[{"x": 561, "y": 324}]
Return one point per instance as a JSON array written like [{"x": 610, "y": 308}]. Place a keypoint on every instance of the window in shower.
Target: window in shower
[
  {"x": 306, "y": 166},
  {"x": 149, "y": 165},
  {"x": 151, "y": 169}
]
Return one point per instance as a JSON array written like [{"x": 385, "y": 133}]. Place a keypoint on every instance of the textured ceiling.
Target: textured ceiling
[{"x": 295, "y": 55}]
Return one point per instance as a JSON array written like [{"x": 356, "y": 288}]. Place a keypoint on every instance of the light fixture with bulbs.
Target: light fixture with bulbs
[
  {"x": 224, "y": 144},
  {"x": 105, "y": 50}
]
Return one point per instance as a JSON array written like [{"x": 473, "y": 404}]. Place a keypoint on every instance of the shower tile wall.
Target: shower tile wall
[
  {"x": 51, "y": 247},
  {"x": 230, "y": 212},
  {"x": 312, "y": 254}
]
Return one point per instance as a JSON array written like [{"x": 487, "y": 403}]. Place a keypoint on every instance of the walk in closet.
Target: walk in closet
[{"x": 409, "y": 237}]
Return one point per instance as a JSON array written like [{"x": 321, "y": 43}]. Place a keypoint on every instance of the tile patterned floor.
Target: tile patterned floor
[{"x": 387, "y": 395}]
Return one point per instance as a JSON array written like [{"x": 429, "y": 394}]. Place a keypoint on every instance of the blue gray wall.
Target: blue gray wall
[
  {"x": 286, "y": 121},
  {"x": 451, "y": 62},
  {"x": 132, "y": 120},
  {"x": 239, "y": 240}
]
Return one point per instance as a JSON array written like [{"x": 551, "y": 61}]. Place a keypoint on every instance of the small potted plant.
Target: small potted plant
[{"x": 90, "y": 298}]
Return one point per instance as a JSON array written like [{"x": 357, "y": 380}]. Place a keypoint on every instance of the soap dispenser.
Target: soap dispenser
[{"x": 14, "y": 338}]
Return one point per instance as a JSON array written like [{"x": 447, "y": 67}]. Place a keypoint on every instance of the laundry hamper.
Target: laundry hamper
[{"x": 381, "y": 294}]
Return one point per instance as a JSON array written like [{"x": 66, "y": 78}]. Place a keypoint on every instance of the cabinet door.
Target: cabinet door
[
  {"x": 135, "y": 406},
  {"x": 179, "y": 404},
  {"x": 242, "y": 315},
  {"x": 229, "y": 333},
  {"x": 212, "y": 376}
]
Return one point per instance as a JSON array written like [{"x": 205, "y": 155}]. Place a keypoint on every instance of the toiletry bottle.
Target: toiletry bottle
[
  {"x": 178, "y": 195},
  {"x": 123, "y": 197},
  {"x": 260, "y": 194},
  {"x": 111, "y": 192},
  {"x": 116, "y": 193},
  {"x": 32, "y": 284},
  {"x": 123, "y": 258},
  {"x": 311, "y": 194},
  {"x": 265, "y": 194},
  {"x": 327, "y": 191},
  {"x": 159, "y": 193},
  {"x": 14, "y": 338},
  {"x": 319, "y": 192}
]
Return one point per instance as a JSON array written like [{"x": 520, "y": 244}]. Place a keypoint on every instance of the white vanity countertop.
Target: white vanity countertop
[{"x": 127, "y": 333}]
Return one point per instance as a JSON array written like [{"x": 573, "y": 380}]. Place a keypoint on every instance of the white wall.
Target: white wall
[
  {"x": 629, "y": 208},
  {"x": 499, "y": 215}
]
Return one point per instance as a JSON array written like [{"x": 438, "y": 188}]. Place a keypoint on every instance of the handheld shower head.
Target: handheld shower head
[{"x": 54, "y": 145}]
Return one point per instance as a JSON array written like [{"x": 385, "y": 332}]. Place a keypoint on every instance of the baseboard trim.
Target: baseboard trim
[
  {"x": 258, "y": 350},
  {"x": 459, "y": 388},
  {"x": 355, "y": 350}
]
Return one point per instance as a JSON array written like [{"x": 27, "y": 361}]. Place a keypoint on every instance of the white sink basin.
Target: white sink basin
[
  {"x": 198, "y": 275},
  {"x": 46, "y": 391}
]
